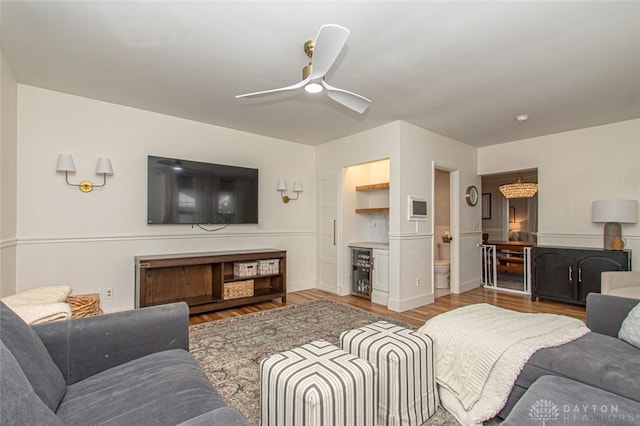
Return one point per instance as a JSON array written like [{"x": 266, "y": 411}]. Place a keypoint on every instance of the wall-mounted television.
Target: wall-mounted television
[{"x": 192, "y": 192}]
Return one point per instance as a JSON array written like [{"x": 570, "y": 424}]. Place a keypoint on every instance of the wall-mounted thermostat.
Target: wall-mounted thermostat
[{"x": 417, "y": 208}]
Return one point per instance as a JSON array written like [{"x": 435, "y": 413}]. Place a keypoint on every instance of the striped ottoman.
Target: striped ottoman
[
  {"x": 317, "y": 384},
  {"x": 405, "y": 361}
]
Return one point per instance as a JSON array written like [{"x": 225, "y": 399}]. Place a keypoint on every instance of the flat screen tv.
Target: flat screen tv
[{"x": 191, "y": 192}]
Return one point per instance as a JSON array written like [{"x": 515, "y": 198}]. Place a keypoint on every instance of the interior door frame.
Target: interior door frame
[{"x": 454, "y": 224}]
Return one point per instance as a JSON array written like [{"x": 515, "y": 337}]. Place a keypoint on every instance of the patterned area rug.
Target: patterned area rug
[{"x": 230, "y": 350}]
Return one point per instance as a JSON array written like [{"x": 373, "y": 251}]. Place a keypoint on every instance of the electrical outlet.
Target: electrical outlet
[
  {"x": 418, "y": 282},
  {"x": 108, "y": 293}
]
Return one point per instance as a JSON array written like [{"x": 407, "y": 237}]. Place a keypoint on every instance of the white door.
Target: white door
[{"x": 328, "y": 239}]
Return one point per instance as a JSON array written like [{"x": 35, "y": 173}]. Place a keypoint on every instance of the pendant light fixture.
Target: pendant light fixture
[{"x": 519, "y": 189}]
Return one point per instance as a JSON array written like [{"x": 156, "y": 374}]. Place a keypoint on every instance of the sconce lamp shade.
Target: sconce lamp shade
[
  {"x": 104, "y": 166},
  {"x": 65, "y": 163},
  {"x": 281, "y": 185},
  {"x": 297, "y": 186},
  {"x": 621, "y": 211}
]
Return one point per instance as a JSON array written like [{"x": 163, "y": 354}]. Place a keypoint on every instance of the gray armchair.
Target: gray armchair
[{"x": 128, "y": 368}]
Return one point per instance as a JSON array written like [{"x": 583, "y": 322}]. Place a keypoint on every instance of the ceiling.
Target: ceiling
[{"x": 461, "y": 69}]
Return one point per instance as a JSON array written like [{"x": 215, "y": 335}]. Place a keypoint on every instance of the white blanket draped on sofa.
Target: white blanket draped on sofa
[{"x": 475, "y": 378}]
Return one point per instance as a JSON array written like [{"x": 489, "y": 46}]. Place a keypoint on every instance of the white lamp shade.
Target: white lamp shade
[
  {"x": 621, "y": 211},
  {"x": 297, "y": 186},
  {"x": 104, "y": 166},
  {"x": 281, "y": 185},
  {"x": 65, "y": 163}
]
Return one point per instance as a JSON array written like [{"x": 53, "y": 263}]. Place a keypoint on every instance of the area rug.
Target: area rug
[{"x": 230, "y": 350}]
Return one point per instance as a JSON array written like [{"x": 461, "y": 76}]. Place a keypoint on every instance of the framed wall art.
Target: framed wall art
[{"x": 486, "y": 206}]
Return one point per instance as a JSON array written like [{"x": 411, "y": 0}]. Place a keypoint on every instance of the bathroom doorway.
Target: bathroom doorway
[{"x": 442, "y": 233}]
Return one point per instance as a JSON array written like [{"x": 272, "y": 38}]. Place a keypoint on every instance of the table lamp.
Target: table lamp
[{"x": 613, "y": 213}]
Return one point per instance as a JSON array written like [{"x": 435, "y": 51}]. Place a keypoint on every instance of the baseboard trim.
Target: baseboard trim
[
  {"x": 407, "y": 304},
  {"x": 469, "y": 285},
  {"x": 301, "y": 285}
]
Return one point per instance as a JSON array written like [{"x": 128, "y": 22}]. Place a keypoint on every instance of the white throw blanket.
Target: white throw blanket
[
  {"x": 470, "y": 342},
  {"x": 46, "y": 312},
  {"x": 39, "y": 296},
  {"x": 41, "y": 304}
]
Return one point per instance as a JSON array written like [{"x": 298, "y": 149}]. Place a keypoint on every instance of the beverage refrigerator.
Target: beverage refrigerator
[{"x": 361, "y": 266}]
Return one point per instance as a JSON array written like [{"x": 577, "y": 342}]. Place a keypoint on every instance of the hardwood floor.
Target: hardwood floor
[{"x": 415, "y": 317}]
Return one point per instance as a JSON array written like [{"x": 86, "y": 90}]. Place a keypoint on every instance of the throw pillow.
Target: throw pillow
[{"x": 630, "y": 330}]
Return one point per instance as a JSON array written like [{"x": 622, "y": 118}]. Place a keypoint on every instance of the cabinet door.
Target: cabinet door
[
  {"x": 381, "y": 270},
  {"x": 592, "y": 265},
  {"x": 553, "y": 275}
]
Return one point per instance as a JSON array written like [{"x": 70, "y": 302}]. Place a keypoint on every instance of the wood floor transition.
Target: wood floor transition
[{"x": 415, "y": 317}]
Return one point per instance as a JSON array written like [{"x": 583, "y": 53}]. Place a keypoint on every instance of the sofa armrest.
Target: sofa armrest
[
  {"x": 86, "y": 346},
  {"x": 606, "y": 313}
]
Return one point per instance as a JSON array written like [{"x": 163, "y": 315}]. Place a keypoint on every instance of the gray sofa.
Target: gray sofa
[
  {"x": 128, "y": 368},
  {"x": 598, "y": 359}
]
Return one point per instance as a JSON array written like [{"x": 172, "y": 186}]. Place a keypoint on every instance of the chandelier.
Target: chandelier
[{"x": 519, "y": 189}]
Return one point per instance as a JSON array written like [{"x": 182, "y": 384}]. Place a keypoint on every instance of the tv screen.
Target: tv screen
[{"x": 191, "y": 192}]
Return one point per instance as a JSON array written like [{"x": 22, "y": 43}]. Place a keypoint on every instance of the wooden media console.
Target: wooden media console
[{"x": 207, "y": 282}]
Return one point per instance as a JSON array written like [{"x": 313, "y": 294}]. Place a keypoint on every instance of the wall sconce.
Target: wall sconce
[
  {"x": 612, "y": 213},
  {"x": 66, "y": 165},
  {"x": 281, "y": 186}
]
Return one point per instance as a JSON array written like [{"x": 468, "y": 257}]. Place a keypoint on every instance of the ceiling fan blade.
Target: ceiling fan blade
[
  {"x": 349, "y": 99},
  {"x": 282, "y": 89},
  {"x": 329, "y": 43}
]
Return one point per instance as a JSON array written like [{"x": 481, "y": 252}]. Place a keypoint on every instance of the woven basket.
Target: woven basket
[
  {"x": 269, "y": 266},
  {"x": 84, "y": 305},
  {"x": 237, "y": 289},
  {"x": 245, "y": 269}
]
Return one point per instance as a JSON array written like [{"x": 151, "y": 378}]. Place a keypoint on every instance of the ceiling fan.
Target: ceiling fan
[{"x": 323, "y": 51}]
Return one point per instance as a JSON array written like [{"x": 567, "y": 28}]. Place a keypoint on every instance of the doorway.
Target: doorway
[
  {"x": 442, "y": 220},
  {"x": 510, "y": 229}
]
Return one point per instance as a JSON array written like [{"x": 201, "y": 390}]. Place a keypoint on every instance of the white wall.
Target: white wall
[
  {"x": 370, "y": 226},
  {"x": 422, "y": 152},
  {"x": 331, "y": 159},
  {"x": 412, "y": 152},
  {"x": 89, "y": 240},
  {"x": 8, "y": 177},
  {"x": 574, "y": 169}
]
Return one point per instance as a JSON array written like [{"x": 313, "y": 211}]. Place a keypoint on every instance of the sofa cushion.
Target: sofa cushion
[
  {"x": 19, "y": 404},
  {"x": 595, "y": 359},
  {"x": 32, "y": 357},
  {"x": 562, "y": 401},
  {"x": 165, "y": 388}
]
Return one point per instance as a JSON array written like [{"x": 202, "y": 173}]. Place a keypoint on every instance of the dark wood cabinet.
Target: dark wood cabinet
[
  {"x": 568, "y": 274},
  {"x": 200, "y": 279}
]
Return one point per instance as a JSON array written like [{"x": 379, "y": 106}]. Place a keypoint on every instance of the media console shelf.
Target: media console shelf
[{"x": 199, "y": 279}]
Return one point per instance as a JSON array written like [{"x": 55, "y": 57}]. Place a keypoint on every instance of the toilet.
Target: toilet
[{"x": 441, "y": 267}]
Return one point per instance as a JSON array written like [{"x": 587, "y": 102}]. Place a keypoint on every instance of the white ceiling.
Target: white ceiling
[{"x": 461, "y": 69}]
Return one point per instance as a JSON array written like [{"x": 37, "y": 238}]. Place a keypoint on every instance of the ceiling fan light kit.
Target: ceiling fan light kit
[
  {"x": 313, "y": 88},
  {"x": 323, "y": 51}
]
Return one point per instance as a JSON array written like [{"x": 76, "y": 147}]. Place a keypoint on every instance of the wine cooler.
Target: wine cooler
[{"x": 361, "y": 266}]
